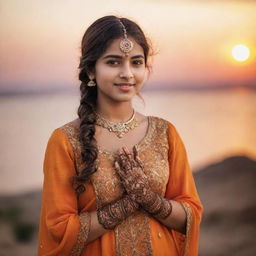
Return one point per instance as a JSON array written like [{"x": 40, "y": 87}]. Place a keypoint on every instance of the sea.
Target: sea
[{"x": 213, "y": 124}]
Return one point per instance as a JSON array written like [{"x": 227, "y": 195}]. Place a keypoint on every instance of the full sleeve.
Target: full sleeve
[
  {"x": 181, "y": 187},
  {"x": 63, "y": 231}
]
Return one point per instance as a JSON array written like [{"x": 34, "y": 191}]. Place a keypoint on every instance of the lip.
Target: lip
[
  {"x": 124, "y": 84},
  {"x": 124, "y": 87}
]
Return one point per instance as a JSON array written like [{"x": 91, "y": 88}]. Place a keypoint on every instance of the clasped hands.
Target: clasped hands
[{"x": 130, "y": 170}]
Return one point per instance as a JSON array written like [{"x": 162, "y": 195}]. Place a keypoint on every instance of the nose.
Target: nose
[{"x": 126, "y": 71}]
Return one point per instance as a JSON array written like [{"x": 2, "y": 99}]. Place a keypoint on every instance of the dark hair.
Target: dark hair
[{"x": 95, "y": 41}]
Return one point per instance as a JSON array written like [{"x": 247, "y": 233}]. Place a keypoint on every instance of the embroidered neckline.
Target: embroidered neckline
[{"x": 138, "y": 145}]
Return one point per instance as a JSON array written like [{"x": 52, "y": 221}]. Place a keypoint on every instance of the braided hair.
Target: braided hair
[{"x": 95, "y": 41}]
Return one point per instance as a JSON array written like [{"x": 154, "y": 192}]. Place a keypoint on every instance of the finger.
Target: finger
[
  {"x": 138, "y": 160},
  {"x": 118, "y": 160},
  {"x": 122, "y": 155},
  {"x": 117, "y": 166},
  {"x": 122, "y": 159},
  {"x": 126, "y": 157},
  {"x": 135, "y": 151},
  {"x": 127, "y": 152},
  {"x": 125, "y": 162},
  {"x": 136, "y": 157},
  {"x": 119, "y": 170},
  {"x": 140, "y": 164},
  {"x": 129, "y": 163}
]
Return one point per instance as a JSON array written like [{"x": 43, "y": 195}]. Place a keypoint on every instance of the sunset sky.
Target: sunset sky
[{"x": 40, "y": 41}]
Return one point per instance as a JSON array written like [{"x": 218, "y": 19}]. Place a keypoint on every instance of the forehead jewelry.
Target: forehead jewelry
[{"x": 126, "y": 45}]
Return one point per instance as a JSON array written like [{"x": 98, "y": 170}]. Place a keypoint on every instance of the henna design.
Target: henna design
[
  {"x": 130, "y": 169},
  {"x": 114, "y": 213}
]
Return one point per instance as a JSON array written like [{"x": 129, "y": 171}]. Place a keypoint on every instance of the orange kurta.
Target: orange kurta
[{"x": 65, "y": 219}]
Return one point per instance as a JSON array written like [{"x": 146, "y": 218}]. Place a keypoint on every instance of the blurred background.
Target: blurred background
[{"x": 203, "y": 81}]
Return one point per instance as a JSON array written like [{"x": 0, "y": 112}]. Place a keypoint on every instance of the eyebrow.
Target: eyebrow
[{"x": 121, "y": 57}]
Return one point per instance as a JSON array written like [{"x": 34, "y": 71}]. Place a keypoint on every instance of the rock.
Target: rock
[{"x": 228, "y": 192}]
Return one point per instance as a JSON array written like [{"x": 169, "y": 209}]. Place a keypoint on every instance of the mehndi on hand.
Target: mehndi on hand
[
  {"x": 130, "y": 169},
  {"x": 112, "y": 214}
]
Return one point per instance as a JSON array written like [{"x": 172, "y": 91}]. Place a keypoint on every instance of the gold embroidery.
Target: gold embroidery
[
  {"x": 71, "y": 129},
  {"x": 133, "y": 236},
  {"x": 153, "y": 152},
  {"x": 105, "y": 181},
  {"x": 188, "y": 211},
  {"x": 85, "y": 222}
]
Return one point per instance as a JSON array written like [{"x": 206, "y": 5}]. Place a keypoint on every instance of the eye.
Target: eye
[
  {"x": 113, "y": 62},
  {"x": 138, "y": 62}
]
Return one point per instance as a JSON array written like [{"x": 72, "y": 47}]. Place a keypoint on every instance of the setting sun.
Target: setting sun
[{"x": 240, "y": 52}]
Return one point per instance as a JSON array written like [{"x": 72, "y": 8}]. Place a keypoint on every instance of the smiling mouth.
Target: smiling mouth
[{"x": 124, "y": 85}]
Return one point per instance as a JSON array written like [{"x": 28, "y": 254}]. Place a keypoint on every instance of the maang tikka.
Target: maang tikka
[{"x": 126, "y": 45}]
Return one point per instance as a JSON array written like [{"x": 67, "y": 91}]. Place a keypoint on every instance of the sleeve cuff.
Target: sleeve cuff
[
  {"x": 186, "y": 238},
  {"x": 85, "y": 224}
]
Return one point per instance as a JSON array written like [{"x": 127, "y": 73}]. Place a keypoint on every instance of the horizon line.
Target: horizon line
[{"x": 162, "y": 87}]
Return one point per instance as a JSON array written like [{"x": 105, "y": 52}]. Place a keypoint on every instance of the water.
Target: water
[{"x": 212, "y": 124}]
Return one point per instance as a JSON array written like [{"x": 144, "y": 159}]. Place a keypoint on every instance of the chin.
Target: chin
[{"x": 124, "y": 98}]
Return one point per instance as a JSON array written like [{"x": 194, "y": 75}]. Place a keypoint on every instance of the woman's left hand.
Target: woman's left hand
[{"x": 134, "y": 180}]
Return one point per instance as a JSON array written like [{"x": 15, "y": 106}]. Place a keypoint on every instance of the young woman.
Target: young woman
[{"x": 117, "y": 182}]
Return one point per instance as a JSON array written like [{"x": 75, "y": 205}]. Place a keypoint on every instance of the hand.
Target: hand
[
  {"x": 112, "y": 214},
  {"x": 130, "y": 169}
]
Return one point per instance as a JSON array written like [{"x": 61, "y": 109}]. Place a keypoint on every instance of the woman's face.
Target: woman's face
[{"x": 119, "y": 77}]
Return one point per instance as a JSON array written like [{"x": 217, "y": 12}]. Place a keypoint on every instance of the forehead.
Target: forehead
[{"x": 114, "y": 48}]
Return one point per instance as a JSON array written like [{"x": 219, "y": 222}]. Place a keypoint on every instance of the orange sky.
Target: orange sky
[{"x": 40, "y": 40}]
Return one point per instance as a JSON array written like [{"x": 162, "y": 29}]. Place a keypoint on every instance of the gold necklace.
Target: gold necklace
[{"x": 120, "y": 128}]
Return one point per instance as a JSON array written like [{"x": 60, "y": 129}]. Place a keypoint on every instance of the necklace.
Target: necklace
[{"x": 120, "y": 128}]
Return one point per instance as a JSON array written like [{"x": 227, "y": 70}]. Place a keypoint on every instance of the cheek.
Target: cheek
[
  {"x": 105, "y": 74},
  {"x": 140, "y": 75}
]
